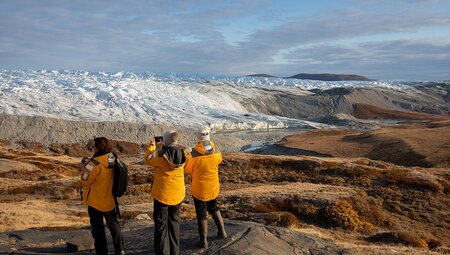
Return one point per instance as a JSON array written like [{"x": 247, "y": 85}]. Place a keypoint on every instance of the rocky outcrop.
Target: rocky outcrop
[{"x": 244, "y": 238}]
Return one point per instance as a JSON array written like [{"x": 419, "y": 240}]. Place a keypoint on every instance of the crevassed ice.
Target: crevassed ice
[{"x": 170, "y": 99}]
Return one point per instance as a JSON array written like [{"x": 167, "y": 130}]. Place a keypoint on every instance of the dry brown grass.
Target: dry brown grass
[
  {"x": 391, "y": 194},
  {"x": 40, "y": 213},
  {"x": 369, "y": 209},
  {"x": 405, "y": 238},
  {"x": 339, "y": 214},
  {"x": 411, "y": 179},
  {"x": 139, "y": 189},
  {"x": 333, "y": 180},
  {"x": 187, "y": 212},
  {"x": 283, "y": 189},
  {"x": 130, "y": 215},
  {"x": 281, "y": 219},
  {"x": 55, "y": 167},
  {"x": 300, "y": 209},
  {"x": 57, "y": 189}
]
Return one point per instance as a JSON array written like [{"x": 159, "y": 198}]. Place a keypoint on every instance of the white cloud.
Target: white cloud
[{"x": 185, "y": 36}]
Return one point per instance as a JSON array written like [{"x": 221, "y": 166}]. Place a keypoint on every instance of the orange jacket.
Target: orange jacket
[
  {"x": 97, "y": 182},
  {"x": 168, "y": 176},
  {"x": 203, "y": 166}
]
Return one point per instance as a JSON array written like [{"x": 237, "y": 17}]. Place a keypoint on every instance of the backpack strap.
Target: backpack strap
[
  {"x": 117, "y": 206},
  {"x": 116, "y": 202}
]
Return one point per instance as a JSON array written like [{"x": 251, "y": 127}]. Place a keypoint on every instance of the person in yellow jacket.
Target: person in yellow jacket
[
  {"x": 203, "y": 166},
  {"x": 168, "y": 190},
  {"x": 97, "y": 181}
]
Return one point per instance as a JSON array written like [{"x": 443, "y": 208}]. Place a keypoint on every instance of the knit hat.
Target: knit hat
[
  {"x": 204, "y": 134},
  {"x": 170, "y": 137}
]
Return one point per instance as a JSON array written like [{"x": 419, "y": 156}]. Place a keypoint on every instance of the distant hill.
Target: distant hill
[
  {"x": 261, "y": 75},
  {"x": 319, "y": 77},
  {"x": 330, "y": 77}
]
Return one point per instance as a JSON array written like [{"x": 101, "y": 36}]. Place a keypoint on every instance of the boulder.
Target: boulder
[{"x": 81, "y": 242}]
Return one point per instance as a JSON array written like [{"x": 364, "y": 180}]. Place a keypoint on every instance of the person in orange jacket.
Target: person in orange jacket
[
  {"x": 97, "y": 182},
  {"x": 168, "y": 190},
  {"x": 203, "y": 166}
]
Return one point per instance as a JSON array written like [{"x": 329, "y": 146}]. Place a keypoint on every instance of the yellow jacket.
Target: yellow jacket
[
  {"x": 203, "y": 166},
  {"x": 97, "y": 182},
  {"x": 168, "y": 176}
]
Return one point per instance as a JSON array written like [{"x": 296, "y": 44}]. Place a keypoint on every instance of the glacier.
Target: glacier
[{"x": 177, "y": 100}]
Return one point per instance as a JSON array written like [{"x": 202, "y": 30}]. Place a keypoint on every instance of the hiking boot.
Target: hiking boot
[
  {"x": 203, "y": 233},
  {"x": 221, "y": 233}
]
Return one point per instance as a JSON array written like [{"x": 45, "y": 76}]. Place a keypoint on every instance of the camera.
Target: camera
[{"x": 158, "y": 139}]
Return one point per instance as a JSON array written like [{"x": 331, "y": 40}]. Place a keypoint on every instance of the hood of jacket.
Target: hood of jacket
[
  {"x": 200, "y": 147},
  {"x": 174, "y": 154},
  {"x": 107, "y": 160}
]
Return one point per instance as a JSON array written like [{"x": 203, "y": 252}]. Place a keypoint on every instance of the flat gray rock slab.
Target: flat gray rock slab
[{"x": 243, "y": 238}]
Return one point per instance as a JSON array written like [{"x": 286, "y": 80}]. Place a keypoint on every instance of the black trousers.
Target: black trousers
[
  {"x": 202, "y": 207},
  {"x": 98, "y": 230},
  {"x": 167, "y": 228}
]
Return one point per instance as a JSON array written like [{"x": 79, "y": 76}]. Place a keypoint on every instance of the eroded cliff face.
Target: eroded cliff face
[{"x": 318, "y": 104}]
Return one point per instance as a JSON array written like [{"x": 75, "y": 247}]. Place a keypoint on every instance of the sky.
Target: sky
[{"x": 380, "y": 39}]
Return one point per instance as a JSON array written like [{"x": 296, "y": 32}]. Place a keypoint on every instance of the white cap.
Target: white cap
[{"x": 204, "y": 133}]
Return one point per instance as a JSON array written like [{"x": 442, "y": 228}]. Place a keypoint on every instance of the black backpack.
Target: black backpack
[{"x": 120, "y": 182}]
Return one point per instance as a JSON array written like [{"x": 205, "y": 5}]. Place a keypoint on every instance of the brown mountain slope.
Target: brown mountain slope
[
  {"x": 425, "y": 144},
  {"x": 366, "y": 111}
]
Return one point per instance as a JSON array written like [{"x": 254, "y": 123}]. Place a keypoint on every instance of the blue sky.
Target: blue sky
[{"x": 396, "y": 39}]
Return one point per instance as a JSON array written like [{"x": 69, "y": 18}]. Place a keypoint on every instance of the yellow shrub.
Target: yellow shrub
[{"x": 341, "y": 214}]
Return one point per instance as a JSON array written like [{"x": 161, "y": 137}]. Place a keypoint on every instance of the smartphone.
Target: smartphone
[{"x": 158, "y": 139}]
